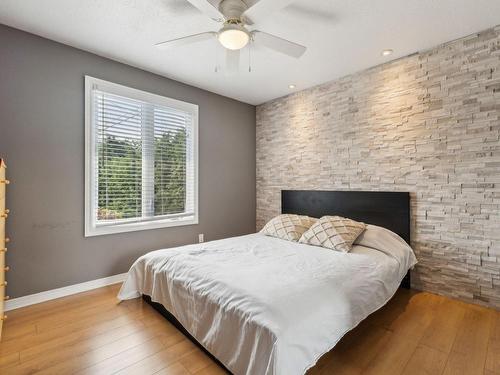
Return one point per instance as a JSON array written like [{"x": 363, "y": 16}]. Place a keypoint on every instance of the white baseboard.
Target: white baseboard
[{"x": 48, "y": 295}]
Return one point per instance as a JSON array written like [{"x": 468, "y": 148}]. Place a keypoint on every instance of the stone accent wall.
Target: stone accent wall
[{"x": 429, "y": 124}]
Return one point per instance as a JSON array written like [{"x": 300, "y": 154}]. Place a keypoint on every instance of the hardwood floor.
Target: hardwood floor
[{"x": 90, "y": 333}]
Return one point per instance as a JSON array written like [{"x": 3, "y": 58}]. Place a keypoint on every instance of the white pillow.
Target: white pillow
[
  {"x": 333, "y": 232},
  {"x": 288, "y": 226},
  {"x": 389, "y": 243},
  {"x": 379, "y": 238}
]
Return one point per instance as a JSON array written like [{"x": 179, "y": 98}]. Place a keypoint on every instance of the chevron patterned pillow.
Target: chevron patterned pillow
[
  {"x": 333, "y": 232},
  {"x": 288, "y": 227}
]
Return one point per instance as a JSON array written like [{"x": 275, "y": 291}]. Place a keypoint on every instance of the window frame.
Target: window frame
[{"x": 165, "y": 221}]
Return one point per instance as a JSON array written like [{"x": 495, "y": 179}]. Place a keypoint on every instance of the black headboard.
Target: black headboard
[{"x": 390, "y": 210}]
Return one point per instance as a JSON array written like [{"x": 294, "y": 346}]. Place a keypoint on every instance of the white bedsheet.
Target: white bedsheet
[{"x": 263, "y": 305}]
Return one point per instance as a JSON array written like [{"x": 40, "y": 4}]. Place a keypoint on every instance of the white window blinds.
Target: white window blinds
[{"x": 142, "y": 163}]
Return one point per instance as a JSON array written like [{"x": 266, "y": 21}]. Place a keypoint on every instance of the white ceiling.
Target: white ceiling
[{"x": 342, "y": 36}]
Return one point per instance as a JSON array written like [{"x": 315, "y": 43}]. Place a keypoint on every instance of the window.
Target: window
[{"x": 141, "y": 160}]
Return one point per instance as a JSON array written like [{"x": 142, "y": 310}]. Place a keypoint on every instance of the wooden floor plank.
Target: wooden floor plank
[
  {"x": 195, "y": 361},
  {"x": 213, "y": 369},
  {"x": 393, "y": 357},
  {"x": 8, "y": 360},
  {"x": 493, "y": 355},
  {"x": 64, "y": 306},
  {"x": 175, "y": 369},
  {"x": 80, "y": 341},
  {"x": 100, "y": 351},
  {"x": 72, "y": 301},
  {"x": 474, "y": 332},
  {"x": 165, "y": 358},
  {"x": 96, "y": 349},
  {"x": 462, "y": 364},
  {"x": 441, "y": 333},
  {"x": 16, "y": 331},
  {"x": 90, "y": 333},
  {"x": 80, "y": 330},
  {"x": 416, "y": 317},
  {"x": 426, "y": 361},
  {"x": 495, "y": 327},
  {"x": 124, "y": 359},
  {"x": 89, "y": 358},
  {"x": 469, "y": 350},
  {"x": 345, "y": 359},
  {"x": 69, "y": 317}
]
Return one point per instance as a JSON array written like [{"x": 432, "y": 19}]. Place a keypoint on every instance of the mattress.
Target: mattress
[{"x": 264, "y": 305}]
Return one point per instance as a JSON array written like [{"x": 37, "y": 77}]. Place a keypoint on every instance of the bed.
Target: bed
[{"x": 263, "y": 305}]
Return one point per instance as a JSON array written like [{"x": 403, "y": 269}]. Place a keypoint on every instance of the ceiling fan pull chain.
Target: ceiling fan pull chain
[
  {"x": 250, "y": 57},
  {"x": 216, "y": 54}
]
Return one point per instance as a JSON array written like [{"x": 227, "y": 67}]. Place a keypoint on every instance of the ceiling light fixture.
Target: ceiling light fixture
[
  {"x": 387, "y": 52},
  {"x": 292, "y": 86},
  {"x": 233, "y": 36}
]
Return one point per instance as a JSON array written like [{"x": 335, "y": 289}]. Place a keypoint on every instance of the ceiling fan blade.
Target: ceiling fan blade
[
  {"x": 186, "y": 40},
  {"x": 206, "y": 7},
  {"x": 232, "y": 60},
  {"x": 278, "y": 44},
  {"x": 262, "y": 8}
]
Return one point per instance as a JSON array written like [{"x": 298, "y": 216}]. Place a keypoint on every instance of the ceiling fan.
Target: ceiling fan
[{"x": 235, "y": 16}]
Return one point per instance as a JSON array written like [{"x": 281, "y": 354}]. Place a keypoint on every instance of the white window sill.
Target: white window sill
[{"x": 102, "y": 229}]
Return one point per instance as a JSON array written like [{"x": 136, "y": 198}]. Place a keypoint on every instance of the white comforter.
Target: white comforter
[{"x": 263, "y": 305}]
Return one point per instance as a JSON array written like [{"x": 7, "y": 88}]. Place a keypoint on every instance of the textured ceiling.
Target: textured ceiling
[{"x": 342, "y": 36}]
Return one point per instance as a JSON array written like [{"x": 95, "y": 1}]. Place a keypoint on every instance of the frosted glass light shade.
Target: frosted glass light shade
[{"x": 233, "y": 37}]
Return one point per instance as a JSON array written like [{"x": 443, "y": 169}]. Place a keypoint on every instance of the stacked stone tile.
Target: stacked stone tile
[{"x": 428, "y": 124}]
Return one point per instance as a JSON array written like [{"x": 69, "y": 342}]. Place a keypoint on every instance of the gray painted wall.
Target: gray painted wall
[{"x": 42, "y": 140}]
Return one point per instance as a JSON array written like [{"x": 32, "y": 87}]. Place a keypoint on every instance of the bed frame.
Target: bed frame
[
  {"x": 172, "y": 319},
  {"x": 390, "y": 210}
]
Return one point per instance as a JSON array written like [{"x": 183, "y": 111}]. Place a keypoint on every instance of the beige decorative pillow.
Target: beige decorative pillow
[
  {"x": 287, "y": 226},
  {"x": 333, "y": 232}
]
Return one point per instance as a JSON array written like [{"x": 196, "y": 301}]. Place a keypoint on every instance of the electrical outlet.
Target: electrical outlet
[{"x": 201, "y": 238}]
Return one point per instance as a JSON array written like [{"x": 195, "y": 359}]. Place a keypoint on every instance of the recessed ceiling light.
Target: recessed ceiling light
[
  {"x": 387, "y": 52},
  {"x": 292, "y": 86}
]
